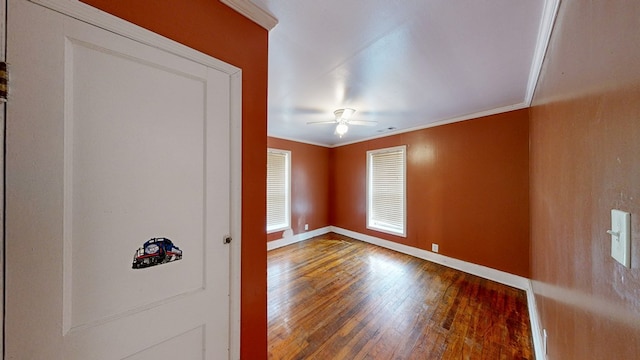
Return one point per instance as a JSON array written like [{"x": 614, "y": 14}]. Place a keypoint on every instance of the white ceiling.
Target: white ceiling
[{"x": 406, "y": 64}]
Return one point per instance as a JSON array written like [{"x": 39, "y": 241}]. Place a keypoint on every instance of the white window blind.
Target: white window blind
[
  {"x": 386, "y": 190},
  {"x": 278, "y": 189}
]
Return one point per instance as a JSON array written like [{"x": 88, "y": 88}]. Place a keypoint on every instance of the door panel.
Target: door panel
[
  {"x": 112, "y": 143},
  {"x": 136, "y": 172}
]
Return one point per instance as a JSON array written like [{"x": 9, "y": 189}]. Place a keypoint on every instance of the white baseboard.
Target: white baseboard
[
  {"x": 297, "y": 238},
  {"x": 536, "y": 328},
  {"x": 502, "y": 277}
]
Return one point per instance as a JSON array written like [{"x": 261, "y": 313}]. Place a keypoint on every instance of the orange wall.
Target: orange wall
[
  {"x": 215, "y": 29},
  {"x": 467, "y": 190},
  {"x": 585, "y": 143},
  {"x": 309, "y": 185}
]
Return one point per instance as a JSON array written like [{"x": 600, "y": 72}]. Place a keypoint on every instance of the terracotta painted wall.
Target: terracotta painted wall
[
  {"x": 213, "y": 28},
  {"x": 467, "y": 190},
  {"x": 585, "y": 143},
  {"x": 309, "y": 185}
]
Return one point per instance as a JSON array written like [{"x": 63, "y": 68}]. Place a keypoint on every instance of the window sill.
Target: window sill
[{"x": 386, "y": 230}]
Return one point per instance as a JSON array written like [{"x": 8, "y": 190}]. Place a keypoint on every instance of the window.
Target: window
[
  {"x": 278, "y": 190},
  {"x": 386, "y": 190}
]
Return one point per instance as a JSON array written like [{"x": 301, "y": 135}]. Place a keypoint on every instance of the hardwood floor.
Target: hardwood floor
[{"x": 333, "y": 297}]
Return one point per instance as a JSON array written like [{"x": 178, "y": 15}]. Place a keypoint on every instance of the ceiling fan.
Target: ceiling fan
[{"x": 343, "y": 121}]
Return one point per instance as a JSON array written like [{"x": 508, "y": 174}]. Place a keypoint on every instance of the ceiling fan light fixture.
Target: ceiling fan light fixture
[{"x": 342, "y": 129}]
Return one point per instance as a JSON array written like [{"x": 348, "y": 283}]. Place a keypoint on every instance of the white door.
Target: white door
[{"x": 111, "y": 143}]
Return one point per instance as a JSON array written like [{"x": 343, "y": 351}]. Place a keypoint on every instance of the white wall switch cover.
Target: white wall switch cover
[{"x": 621, "y": 237}]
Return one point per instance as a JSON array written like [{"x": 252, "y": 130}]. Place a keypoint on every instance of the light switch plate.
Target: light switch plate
[{"x": 621, "y": 237}]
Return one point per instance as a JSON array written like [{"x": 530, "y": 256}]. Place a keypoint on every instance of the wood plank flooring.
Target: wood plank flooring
[{"x": 333, "y": 297}]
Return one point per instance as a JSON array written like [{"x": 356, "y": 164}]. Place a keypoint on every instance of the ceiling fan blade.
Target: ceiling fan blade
[
  {"x": 321, "y": 122},
  {"x": 363, "y": 122}
]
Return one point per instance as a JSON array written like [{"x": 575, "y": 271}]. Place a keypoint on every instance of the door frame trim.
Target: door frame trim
[
  {"x": 3, "y": 116},
  {"x": 108, "y": 22}
]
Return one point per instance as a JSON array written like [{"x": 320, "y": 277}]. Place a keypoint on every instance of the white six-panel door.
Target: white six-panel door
[{"x": 110, "y": 143}]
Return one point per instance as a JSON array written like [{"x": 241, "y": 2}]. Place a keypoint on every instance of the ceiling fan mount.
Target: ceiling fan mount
[
  {"x": 342, "y": 119},
  {"x": 343, "y": 114}
]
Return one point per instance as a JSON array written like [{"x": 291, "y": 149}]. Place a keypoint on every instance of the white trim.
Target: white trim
[
  {"x": 500, "y": 110},
  {"x": 3, "y": 57},
  {"x": 271, "y": 245},
  {"x": 236, "y": 213},
  {"x": 373, "y": 223},
  {"x": 271, "y": 228},
  {"x": 103, "y": 20},
  {"x": 502, "y": 277},
  {"x": 536, "y": 324},
  {"x": 300, "y": 141},
  {"x": 473, "y": 116},
  {"x": 549, "y": 14},
  {"x": 253, "y": 12}
]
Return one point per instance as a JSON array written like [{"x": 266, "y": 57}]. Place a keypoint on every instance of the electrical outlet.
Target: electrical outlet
[
  {"x": 306, "y": 227},
  {"x": 434, "y": 248}
]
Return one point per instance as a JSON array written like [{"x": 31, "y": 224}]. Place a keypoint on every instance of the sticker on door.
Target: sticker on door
[{"x": 156, "y": 251}]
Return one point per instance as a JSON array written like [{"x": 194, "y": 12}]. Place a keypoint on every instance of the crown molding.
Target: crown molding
[
  {"x": 253, "y": 12},
  {"x": 549, "y": 14},
  {"x": 299, "y": 141},
  {"x": 472, "y": 116}
]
